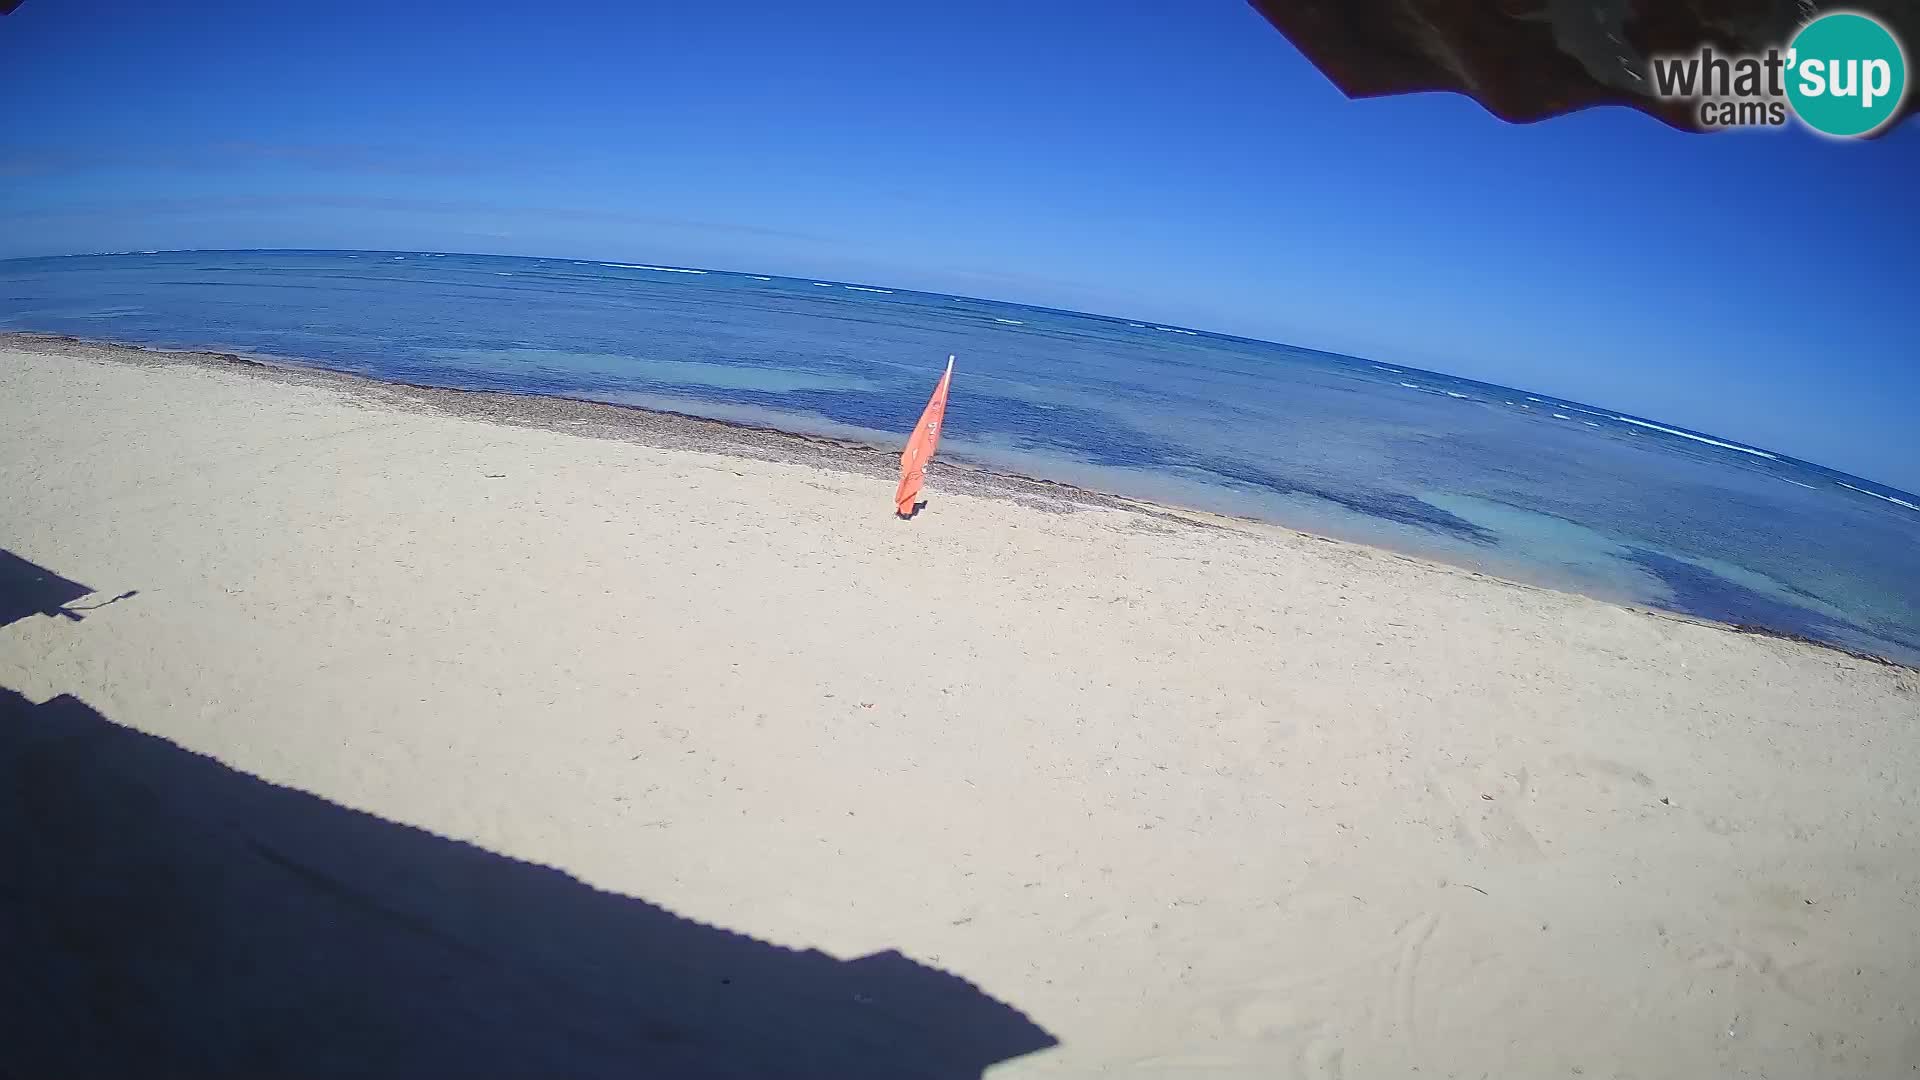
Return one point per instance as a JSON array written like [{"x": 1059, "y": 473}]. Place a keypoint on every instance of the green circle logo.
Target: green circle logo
[{"x": 1846, "y": 74}]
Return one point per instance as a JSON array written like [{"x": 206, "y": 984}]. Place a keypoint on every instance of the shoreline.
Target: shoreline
[
  {"x": 668, "y": 429},
  {"x": 665, "y": 428}
]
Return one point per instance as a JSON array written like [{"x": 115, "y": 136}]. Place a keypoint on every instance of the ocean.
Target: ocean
[{"x": 1521, "y": 485}]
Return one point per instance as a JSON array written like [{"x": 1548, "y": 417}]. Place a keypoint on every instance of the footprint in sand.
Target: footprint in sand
[
  {"x": 1400, "y": 1005},
  {"x": 1490, "y": 810},
  {"x": 1324, "y": 1060},
  {"x": 1605, "y": 772}
]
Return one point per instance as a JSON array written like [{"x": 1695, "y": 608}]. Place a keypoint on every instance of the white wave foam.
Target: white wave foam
[
  {"x": 1877, "y": 495},
  {"x": 1797, "y": 483},
  {"x": 1698, "y": 438},
  {"x": 757, "y": 277},
  {"x": 1138, "y": 325},
  {"x": 658, "y": 269},
  {"x": 1011, "y": 322},
  {"x": 503, "y": 273},
  {"x": 1561, "y": 416},
  {"x": 863, "y": 288},
  {"x": 1177, "y": 330},
  {"x": 1411, "y": 386},
  {"x": 1463, "y": 397},
  {"x": 1395, "y": 370},
  {"x": 824, "y": 284},
  {"x": 1590, "y": 423}
]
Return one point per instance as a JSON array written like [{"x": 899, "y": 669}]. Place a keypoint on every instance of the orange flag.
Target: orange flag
[{"x": 920, "y": 448}]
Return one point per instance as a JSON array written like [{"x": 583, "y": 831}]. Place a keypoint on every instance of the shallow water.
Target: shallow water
[{"x": 1523, "y": 485}]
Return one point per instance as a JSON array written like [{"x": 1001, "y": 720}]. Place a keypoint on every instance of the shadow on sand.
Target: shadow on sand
[
  {"x": 164, "y": 915},
  {"x": 27, "y": 589}
]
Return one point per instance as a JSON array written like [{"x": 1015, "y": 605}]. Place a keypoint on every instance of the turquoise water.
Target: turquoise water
[{"x": 1523, "y": 485}]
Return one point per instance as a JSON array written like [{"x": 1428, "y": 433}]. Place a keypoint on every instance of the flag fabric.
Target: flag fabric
[{"x": 920, "y": 448}]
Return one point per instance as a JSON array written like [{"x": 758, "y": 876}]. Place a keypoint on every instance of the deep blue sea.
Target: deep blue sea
[{"x": 1522, "y": 485}]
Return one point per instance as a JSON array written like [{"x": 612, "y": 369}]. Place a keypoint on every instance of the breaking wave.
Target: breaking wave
[
  {"x": 1698, "y": 438},
  {"x": 1877, "y": 495}
]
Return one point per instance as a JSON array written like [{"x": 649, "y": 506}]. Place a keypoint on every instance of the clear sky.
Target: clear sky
[{"x": 1174, "y": 160}]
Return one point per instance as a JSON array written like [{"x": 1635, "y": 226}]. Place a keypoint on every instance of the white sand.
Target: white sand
[{"x": 1200, "y": 801}]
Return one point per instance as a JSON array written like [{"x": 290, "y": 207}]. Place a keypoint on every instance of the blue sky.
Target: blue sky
[{"x": 1171, "y": 161}]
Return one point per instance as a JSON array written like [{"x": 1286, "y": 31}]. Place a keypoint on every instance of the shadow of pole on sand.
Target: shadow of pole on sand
[{"x": 164, "y": 915}]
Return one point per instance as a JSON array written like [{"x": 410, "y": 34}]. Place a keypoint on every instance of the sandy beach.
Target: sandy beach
[{"x": 419, "y": 719}]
